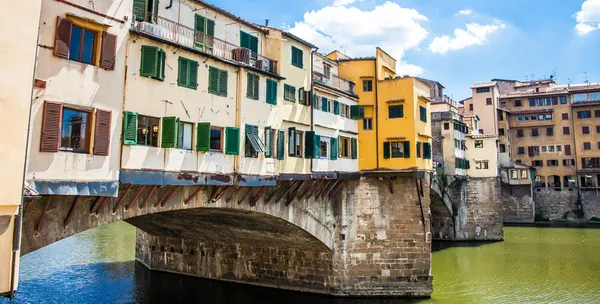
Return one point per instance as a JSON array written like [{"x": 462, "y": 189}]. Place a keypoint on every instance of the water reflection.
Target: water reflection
[{"x": 533, "y": 265}]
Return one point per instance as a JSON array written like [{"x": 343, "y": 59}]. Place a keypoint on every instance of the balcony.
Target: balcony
[
  {"x": 161, "y": 28},
  {"x": 334, "y": 81}
]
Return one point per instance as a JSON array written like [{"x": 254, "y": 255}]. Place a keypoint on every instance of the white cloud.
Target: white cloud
[
  {"x": 465, "y": 12},
  {"x": 475, "y": 33},
  {"x": 356, "y": 32},
  {"x": 588, "y": 18},
  {"x": 342, "y": 2}
]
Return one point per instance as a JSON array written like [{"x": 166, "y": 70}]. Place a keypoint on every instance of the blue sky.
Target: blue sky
[{"x": 488, "y": 39}]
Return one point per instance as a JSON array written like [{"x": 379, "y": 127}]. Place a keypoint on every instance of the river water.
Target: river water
[{"x": 533, "y": 265}]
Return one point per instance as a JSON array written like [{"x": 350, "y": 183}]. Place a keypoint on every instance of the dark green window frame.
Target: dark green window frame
[
  {"x": 205, "y": 32},
  {"x": 217, "y": 81},
  {"x": 297, "y": 57},
  {"x": 252, "y": 86},
  {"x": 187, "y": 73},
  {"x": 396, "y": 111},
  {"x": 426, "y": 150},
  {"x": 152, "y": 62},
  {"x": 423, "y": 113},
  {"x": 289, "y": 93},
  {"x": 271, "y": 91},
  {"x": 389, "y": 152},
  {"x": 252, "y": 142}
]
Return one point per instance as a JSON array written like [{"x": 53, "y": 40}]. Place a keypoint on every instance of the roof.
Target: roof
[
  {"x": 357, "y": 58},
  {"x": 484, "y": 84},
  {"x": 506, "y": 80},
  {"x": 289, "y": 35},
  {"x": 483, "y": 135},
  {"x": 429, "y": 82},
  {"x": 584, "y": 87},
  {"x": 230, "y": 15}
]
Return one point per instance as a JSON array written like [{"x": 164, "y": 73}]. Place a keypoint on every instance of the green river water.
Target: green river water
[{"x": 533, "y": 265}]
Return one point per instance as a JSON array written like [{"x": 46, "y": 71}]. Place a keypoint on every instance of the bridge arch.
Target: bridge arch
[{"x": 52, "y": 218}]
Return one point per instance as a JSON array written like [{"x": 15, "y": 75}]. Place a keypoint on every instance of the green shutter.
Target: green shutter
[
  {"x": 271, "y": 91},
  {"x": 161, "y": 65},
  {"x": 317, "y": 146},
  {"x": 199, "y": 26},
  {"x": 418, "y": 149},
  {"x": 386, "y": 149},
  {"x": 291, "y": 141},
  {"x": 193, "y": 80},
  {"x": 297, "y": 57},
  {"x": 280, "y": 144},
  {"x": 182, "y": 75},
  {"x": 213, "y": 80},
  {"x": 256, "y": 81},
  {"x": 169, "y": 132},
  {"x": 315, "y": 101},
  {"x": 249, "y": 84},
  {"x": 427, "y": 150},
  {"x": 149, "y": 65},
  {"x": 222, "y": 82},
  {"x": 354, "y": 148},
  {"x": 334, "y": 148},
  {"x": 130, "y": 121},
  {"x": 407, "y": 149},
  {"x": 324, "y": 104},
  {"x": 336, "y": 107},
  {"x": 232, "y": 141},
  {"x": 309, "y": 144},
  {"x": 139, "y": 9},
  {"x": 268, "y": 142},
  {"x": 210, "y": 27},
  {"x": 253, "y": 44},
  {"x": 244, "y": 40},
  {"x": 361, "y": 112},
  {"x": 354, "y": 112},
  {"x": 203, "y": 136}
]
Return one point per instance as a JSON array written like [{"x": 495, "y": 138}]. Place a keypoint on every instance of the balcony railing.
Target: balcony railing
[
  {"x": 333, "y": 80},
  {"x": 159, "y": 27}
]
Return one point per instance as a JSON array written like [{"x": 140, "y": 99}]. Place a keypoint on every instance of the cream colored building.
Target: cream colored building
[
  {"x": 18, "y": 57},
  {"x": 484, "y": 103}
]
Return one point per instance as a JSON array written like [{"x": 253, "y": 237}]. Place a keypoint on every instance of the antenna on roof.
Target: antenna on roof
[
  {"x": 569, "y": 81},
  {"x": 266, "y": 22},
  {"x": 586, "y": 78}
]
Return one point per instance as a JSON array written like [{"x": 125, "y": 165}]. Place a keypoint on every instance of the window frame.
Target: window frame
[
  {"x": 478, "y": 144},
  {"x": 327, "y": 141},
  {"x": 345, "y": 145},
  {"x": 180, "y": 135},
  {"x": 299, "y": 54},
  {"x": 367, "y": 124},
  {"x": 147, "y": 139},
  {"x": 87, "y": 126},
  {"x": 82, "y": 43},
  {"x": 423, "y": 114},
  {"x": 393, "y": 109},
  {"x": 289, "y": 92},
  {"x": 221, "y": 139},
  {"x": 367, "y": 85}
]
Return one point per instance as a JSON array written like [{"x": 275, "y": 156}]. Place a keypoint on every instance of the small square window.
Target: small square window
[
  {"x": 367, "y": 85},
  {"x": 479, "y": 144},
  {"x": 75, "y": 130},
  {"x": 324, "y": 147},
  {"x": 565, "y": 116},
  {"x": 446, "y": 126},
  {"x": 147, "y": 131},
  {"x": 587, "y": 146},
  {"x": 521, "y": 150},
  {"x": 488, "y": 101},
  {"x": 368, "y": 123},
  {"x": 585, "y": 130},
  {"x": 470, "y": 107},
  {"x": 185, "y": 136},
  {"x": 566, "y": 131},
  {"x": 518, "y": 103},
  {"x": 216, "y": 139}
]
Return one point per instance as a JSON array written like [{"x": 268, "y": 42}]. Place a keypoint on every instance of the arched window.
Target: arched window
[
  {"x": 554, "y": 182},
  {"x": 569, "y": 181}
]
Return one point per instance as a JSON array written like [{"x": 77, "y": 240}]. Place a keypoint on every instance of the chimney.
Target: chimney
[{"x": 266, "y": 22}]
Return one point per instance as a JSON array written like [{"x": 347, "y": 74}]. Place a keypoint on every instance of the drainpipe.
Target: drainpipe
[
  {"x": 123, "y": 103},
  {"x": 238, "y": 105},
  {"x": 170, "y": 5},
  {"x": 18, "y": 225},
  {"x": 575, "y": 149},
  {"x": 312, "y": 94}
]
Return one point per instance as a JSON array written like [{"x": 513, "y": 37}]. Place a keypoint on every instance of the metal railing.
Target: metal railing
[
  {"x": 332, "y": 80},
  {"x": 159, "y": 27}
]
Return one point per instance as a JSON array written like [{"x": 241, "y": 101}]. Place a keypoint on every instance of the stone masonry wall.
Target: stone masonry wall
[
  {"x": 381, "y": 247},
  {"x": 478, "y": 215},
  {"x": 517, "y": 204},
  {"x": 551, "y": 205},
  {"x": 591, "y": 205}
]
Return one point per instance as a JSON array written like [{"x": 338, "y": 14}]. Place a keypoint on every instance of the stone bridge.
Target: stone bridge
[{"x": 367, "y": 236}]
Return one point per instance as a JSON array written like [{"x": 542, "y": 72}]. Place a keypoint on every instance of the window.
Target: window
[
  {"x": 252, "y": 143},
  {"x": 503, "y": 104},
  {"x": 566, "y": 131},
  {"x": 82, "y": 46},
  {"x": 534, "y": 150},
  {"x": 598, "y": 145},
  {"x": 551, "y": 149},
  {"x": 590, "y": 162},
  {"x": 519, "y": 118},
  {"x": 75, "y": 130},
  {"x": 554, "y": 101},
  {"x": 501, "y": 131},
  {"x": 324, "y": 147},
  {"x": 367, "y": 85},
  {"x": 252, "y": 85},
  {"x": 514, "y": 174},
  {"x": 145, "y": 10},
  {"x": 502, "y": 148},
  {"x": 597, "y": 129},
  {"x": 470, "y": 107},
  {"x": 297, "y": 57},
  {"x": 205, "y": 32},
  {"x": 153, "y": 62},
  {"x": 540, "y": 102},
  {"x": 548, "y": 117},
  {"x": 184, "y": 140},
  {"x": 396, "y": 111},
  {"x": 587, "y": 146},
  {"x": 585, "y": 130},
  {"x": 532, "y": 102},
  {"x": 426, "y": 151},
  {"x": 480, "y": 131},
  {"x": 547, "y": 101},
  {"x": 188, "y": 73},
  {"x": 584, "y": 114},
  {"x": 249, "y": 42},
  {"x": 446, "y": 126},
  {"x": 345, "y": 146},
  {"x": 270, "y": 142},
  {"x": 482, "y": 165},
  {"x": 367, "y": 123},
  {"x": 519, "y": 132},
  {"x": 302, "y": 99},
  {"x": 594, "y": 96},
  {"x": 567, "y": 149},
  {"x": 558, "y": 148},
  {"x": 147, "y": 131},
  {"x": 327, "y": 70},
  {"x": 397, "y": 149},
  {"x": 217, "y": 81},
  {"x": 552, "y": 163},
  {"x": 538, "y": 163},
  {"x": 565, "y": 116},
  {"x": 568, "y": 162},
  {"x": 488, "y": 101},
  {"x": 518, "y": 103},
  {"x": 216, "y": 139},
  {"x": 596, "y": 113},
  {"x": 479, "y": 144},
  {"x": 324, "y": 104},
  {"x": 483, "y": 90},
  {"x": 289, "y": 93},
  {"x": 521, "y": 150},
  {"x": 544, "y": 149},
  {"x": 271, "y": 92},
  {"x": 549, "y": 131},
  {"x": 423, "y": 113},
  {"x": 295, "y": 142},
  {"x": 535, "y": 132},
  {"x": 563, "y": 100}
]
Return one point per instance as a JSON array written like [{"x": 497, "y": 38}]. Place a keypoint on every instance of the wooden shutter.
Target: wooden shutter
[
  {"x": 244, "y": 40},
  {"x": 139, "y": 9},
  {"x": 161, "y": 65},
  {"x": 102, "y": 132},
  {"x": 203, "y": 136},
  {"x": 317, "y": 146},
  {"x": 169, "y": 132},
  {"x": 354, "y": 112},
  {"x": 309, "y": 144},
  {"x": 255, "y": 81},
  {"x": 407, "y": 149},
  {"x": 149, "y": 66},
  {"x": 222, "y": 82},
  {"x": 280, "y": 144},
  {"x": 109, "y": 51},
  {"x": 210, "y": 27},
  {"x": 51, "y": 120},
  {"x": 249, "y": 84},
  {"x": 213, "y": 80},
  {"x": 193, "y": 79},
  {"x": 199, "y": 23},
  {"x": 361, "y": 112},
  {"x": 418, "y": 149},
  {"x": 182, "y": 75},
  {"x": 427, "y": 150},
  {"x": 232, "y": 143},
  {"x": 354, "y": 148},
  {"x": 386, "y": 149},
  {"x": 292, "y": 141},
  {"x": 62, "y": 39},
  {"x": 324, "y": 104},
  {"x": 336, "y": 107},
  {"x": 254, "y": 44},
  {"x": 334, "y": 148},
  {"x": 130, "y": 123},
  {"x": 268, "y": 141}
]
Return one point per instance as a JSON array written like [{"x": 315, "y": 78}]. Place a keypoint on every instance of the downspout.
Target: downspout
[
  {"x": 170, "y": 5},
  {"x": 238, "y": 105},
  {"x": 18, "y": 225},
  {"x": 376, "y": 114},
  {"x": 123, "y": 103},
  {"x": 311, "y": 97},
  {"x": 575, "y": 149}
]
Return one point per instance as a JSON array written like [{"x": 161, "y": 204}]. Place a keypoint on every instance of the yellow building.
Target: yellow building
[{"x": 396, "y": 129}]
